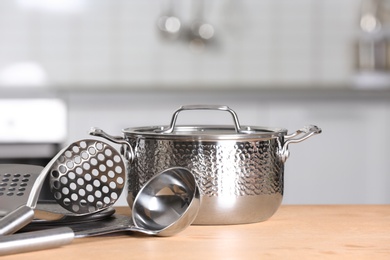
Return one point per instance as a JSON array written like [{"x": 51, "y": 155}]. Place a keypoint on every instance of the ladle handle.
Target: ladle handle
[{"x": 34, "y": 241}]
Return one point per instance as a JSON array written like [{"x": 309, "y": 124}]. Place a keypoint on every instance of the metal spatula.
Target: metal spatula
[{"x": 16, "y": 182}]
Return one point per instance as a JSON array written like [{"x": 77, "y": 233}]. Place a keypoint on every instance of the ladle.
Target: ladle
[{"x": 167, "y": 204}]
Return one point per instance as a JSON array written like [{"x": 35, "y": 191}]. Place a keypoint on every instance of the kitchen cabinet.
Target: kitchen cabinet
[{"x": 347, "y": 163}]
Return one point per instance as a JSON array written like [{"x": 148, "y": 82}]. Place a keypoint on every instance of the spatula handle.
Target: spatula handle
[
  {"x": 16, "y": 220},
  {"x": 37, "y": 240}
]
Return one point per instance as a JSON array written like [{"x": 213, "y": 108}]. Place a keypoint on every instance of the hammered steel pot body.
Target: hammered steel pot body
[
  {"x": 239, "y": 181},
  {"x": 239, "y": 169}
]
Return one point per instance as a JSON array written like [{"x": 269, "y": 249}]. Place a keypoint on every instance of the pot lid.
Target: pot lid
[
  {"x": 205, "y": 132},
  {"x": 212, "y": 132}
]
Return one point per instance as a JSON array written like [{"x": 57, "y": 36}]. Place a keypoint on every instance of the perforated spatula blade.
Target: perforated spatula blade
[{"x": 16, "y": 181}]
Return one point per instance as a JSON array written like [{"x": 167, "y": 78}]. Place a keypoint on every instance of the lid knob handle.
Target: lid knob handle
[{"x": 172, "y": 125}]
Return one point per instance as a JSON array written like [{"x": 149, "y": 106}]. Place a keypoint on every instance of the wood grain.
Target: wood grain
[{"x": 294, "y": 232}]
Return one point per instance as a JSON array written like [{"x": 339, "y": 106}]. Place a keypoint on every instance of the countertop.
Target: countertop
[{"x": 294, "y": 232}]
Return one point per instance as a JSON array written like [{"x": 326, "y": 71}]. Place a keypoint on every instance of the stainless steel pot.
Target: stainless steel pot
[{"x": 239, "y": 169}]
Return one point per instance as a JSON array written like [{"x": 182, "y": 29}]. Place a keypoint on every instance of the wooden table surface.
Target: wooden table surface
[{"x": 294, "y": 232}]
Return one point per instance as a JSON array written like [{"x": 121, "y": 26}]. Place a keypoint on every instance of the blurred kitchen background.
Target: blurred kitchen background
[{"x": 68, "y": 65}]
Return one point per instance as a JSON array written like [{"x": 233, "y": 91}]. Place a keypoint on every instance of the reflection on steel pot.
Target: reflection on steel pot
[{"x": 239, "y": 169}]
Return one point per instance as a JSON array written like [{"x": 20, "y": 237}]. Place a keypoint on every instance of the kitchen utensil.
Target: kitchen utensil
[
  {"x": 50, "y": 214},
  {"x": 16, "y": 181},
  {"x": 166, "y": 205},
  {"x": 239, "y": 169},
  {"x": 87, "y": 176},
  {"x": 24, "y": 214},
  {"x": 169, "y": 24},
  {"x": 201, "y": 32}
]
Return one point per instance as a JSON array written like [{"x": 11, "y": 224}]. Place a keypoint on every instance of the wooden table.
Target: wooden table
[{"x": 294, "y": 232}]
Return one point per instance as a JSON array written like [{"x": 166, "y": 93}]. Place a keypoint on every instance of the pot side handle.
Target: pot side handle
[
  {"x": 127, "y": 152},
  {"x": 297, "y": 137}
]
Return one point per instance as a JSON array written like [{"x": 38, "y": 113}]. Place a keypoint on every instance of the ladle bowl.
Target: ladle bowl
[{"x": 168, "y": 203}]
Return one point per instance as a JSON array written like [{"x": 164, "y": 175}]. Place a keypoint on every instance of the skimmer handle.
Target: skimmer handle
[{"x": 16, "y": 220}]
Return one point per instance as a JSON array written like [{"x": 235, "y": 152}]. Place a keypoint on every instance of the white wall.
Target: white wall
[{"x": 95, "y": 43}]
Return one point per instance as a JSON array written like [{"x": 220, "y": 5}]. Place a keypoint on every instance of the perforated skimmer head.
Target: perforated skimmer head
[{"x": 88, "y": 177}]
